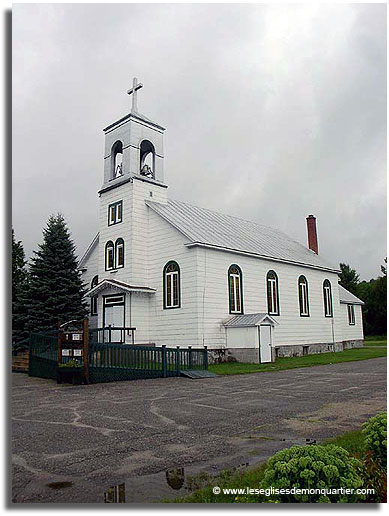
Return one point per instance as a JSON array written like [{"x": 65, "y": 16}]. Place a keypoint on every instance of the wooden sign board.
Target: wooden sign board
[{"x": 73, "y": 344}]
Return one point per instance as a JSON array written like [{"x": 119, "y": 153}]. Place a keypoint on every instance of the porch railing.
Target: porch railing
[{"x": 112, "y": 335}]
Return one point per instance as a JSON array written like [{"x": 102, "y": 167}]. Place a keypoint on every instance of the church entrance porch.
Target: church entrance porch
[{"x": 121, "y": 307}]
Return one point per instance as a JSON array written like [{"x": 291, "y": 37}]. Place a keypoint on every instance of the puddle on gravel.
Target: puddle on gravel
[
  {"x": 180, "y": 481},
  {"x": 59, "y": 485},
  {"x": 149, "y": 488},
  {"x": 169, "y": 484}
]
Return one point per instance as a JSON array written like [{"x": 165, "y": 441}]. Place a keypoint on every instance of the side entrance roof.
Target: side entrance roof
[{"x": 247, "y": 320}]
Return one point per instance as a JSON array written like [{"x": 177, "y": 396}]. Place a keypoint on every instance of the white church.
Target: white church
[{"x": 188, "y": 276}]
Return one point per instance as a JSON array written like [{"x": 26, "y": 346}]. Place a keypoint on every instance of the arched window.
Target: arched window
[
  {"x": 171, "y": 287},
  {"x": 117, "y": 160},
  {"x": 147, "y": 158},
  {"x": 235, "y": 289},
  {"x": 273, "y": 300},
  {"x": 303, "y": 296},
  {"x": 119, "y": 253},
  {"x": 109, "y": 256},
  {"x": 327, "y": 297},
  {"x": 93, "y": 300}
]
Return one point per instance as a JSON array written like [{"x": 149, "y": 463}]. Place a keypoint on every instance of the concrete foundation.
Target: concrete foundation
[{"x": 251, "y": 355}]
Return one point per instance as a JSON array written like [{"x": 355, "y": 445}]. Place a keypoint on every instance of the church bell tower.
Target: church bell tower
[
  {"x": 133, "y": 147},
  {"x": 133, "y": 176}
]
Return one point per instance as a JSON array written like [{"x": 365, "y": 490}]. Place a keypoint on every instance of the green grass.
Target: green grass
[
  {"x": 375, "y": 343},
  {"x": 375, "y": 340},
  {"x": 353, "y": 442},
  {"x": 280, "y": 364}
]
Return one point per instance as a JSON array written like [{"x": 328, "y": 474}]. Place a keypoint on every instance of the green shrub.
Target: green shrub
[
  {"x": 375, "y": 436},
  {"x": 71, "y": 363},
  {"x": 310, "y": 467}
]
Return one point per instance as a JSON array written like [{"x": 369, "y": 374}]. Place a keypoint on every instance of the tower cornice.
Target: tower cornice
[{"x": 135, "y": 116}]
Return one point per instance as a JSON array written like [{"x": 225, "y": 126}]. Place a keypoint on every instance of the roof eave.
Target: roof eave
[
  {"x": 257, "y": 255},
  {"x": 87, "y": 252}
]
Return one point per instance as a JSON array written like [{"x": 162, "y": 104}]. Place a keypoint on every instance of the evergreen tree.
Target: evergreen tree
[
  {"x": 19, "y": 286},
  {"x": 349, "y": 278},
  {"x": 55, "y": 291}
]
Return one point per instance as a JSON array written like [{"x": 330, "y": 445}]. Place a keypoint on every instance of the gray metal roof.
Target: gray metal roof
[
  {"x": 207, "y": 227},
  {"x": 244, "y": 320},
  {"x": 87, "y": 253},
  {"x": 346, "y": 297},
  {"x": 118, "y": 285}
]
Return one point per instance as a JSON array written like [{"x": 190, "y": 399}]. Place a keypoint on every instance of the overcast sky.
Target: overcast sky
[{"x": 272, "y": 112}]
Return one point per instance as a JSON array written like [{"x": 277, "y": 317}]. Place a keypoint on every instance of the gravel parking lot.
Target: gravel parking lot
[{"x": 72, "y": 443}]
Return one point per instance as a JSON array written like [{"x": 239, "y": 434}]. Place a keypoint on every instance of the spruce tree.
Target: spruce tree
[
  {"x": 19, "y": 286},
  {"x": 55, "y": 291}
]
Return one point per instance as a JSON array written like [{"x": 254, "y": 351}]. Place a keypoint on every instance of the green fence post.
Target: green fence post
[
  {"x": 190, "y": 357},
  {"x": 29, "y": 353},
  {"x": 178, "y": 361},
  {"x": 205, "y": 357},
  {"x": 164, "y": 364}
]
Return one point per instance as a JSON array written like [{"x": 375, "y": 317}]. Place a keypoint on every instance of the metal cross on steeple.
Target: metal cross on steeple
[{"x": 135, "y": 87}]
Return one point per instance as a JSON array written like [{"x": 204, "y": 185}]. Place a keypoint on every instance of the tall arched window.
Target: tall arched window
[
  {"x": 303, "y": 296},
  {"x": 273, "y": 300},
  {"x": 93, "y": 300},
  {"x": 147, "y": 158},
  {"x": 327, "y": 297},
  {"x": 117, "y": 159},
  {"x": 235, "y": 289},
  {"x": 109, "y": 256},
  {"x": 119, "y": 253},
  {"x": 171, "y": 285}
]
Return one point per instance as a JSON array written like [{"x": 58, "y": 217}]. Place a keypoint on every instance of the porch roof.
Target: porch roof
[
  {"x": 246, "y": 320},
  {"x": 119, "y": 285}
]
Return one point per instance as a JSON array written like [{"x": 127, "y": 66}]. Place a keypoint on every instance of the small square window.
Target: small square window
[{"x": 115, "y": 213}]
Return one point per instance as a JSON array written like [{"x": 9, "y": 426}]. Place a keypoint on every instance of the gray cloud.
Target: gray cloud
[{"x": 272, "y": 112}]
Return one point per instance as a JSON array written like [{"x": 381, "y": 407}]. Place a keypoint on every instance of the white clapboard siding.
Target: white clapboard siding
[
  {"x": 351, "y": 331},
  {"x": 292, "y": 328},
  {"x": 178, "y": 326}
]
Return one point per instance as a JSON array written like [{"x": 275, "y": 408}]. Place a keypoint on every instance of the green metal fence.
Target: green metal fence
[
  {"x": 116, "y": 362},
  {"x": 43, "y": 355},
  {"x": 110, "y": 362}
]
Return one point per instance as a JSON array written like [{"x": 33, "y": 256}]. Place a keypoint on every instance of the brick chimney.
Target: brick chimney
[{"x": 312, "y": 234}]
